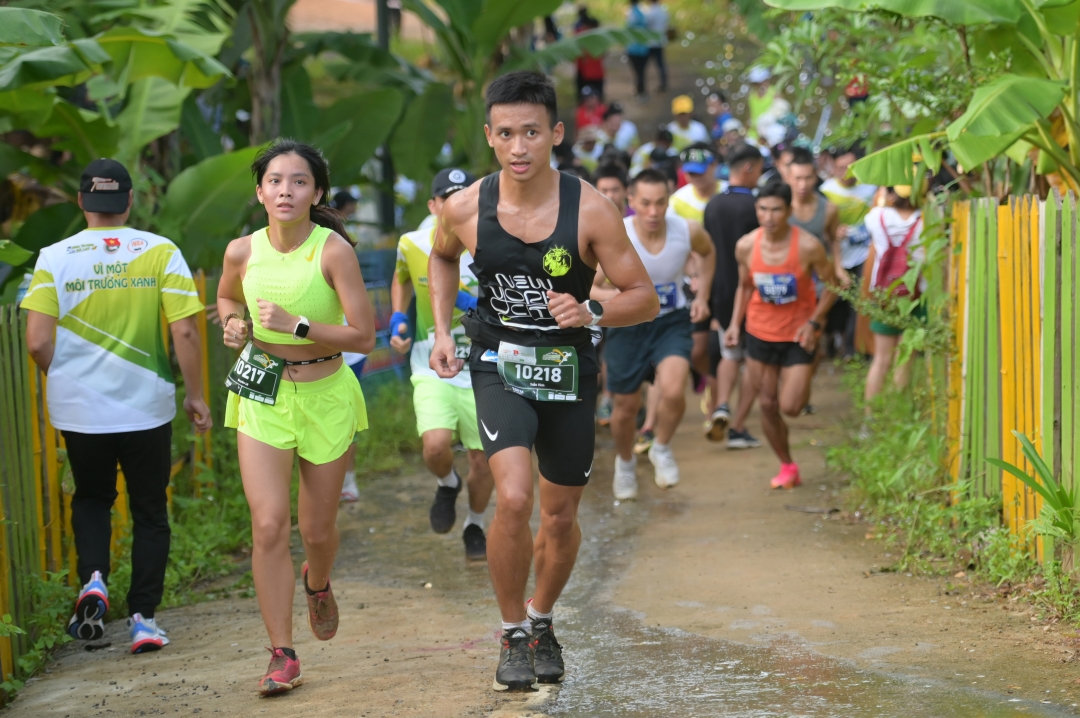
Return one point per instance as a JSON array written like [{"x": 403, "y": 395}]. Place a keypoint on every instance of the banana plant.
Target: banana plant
[
  {"x": 1029, "y": 96},
  {"x": 1059, "y": 513}
]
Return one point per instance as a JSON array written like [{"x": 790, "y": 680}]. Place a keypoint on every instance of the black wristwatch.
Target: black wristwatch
[
  {"x": 596, "y": 309},
  {"x": 815, "y": 325},
  {"x": 302, "y": 328}
]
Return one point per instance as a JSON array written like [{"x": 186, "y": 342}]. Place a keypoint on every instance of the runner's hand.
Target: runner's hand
[
  {"x": 807, "y": 337},
  {"x": 731, "y": 336},
  {"x": 276, "y": 319},
  {"x": 442, "y": 359},
  {"x": 843, "y": 278},
  {"x": 199, "y": 413},
  {"x": 699, "y": 310},
  {"x": 400, "y": 344},
  {"x": 567, "y": 311},
  {"x": 235, "y": 333}
]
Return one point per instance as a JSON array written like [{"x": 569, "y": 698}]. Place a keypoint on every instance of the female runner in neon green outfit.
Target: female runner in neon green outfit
[{"x": 301, "y": 267}]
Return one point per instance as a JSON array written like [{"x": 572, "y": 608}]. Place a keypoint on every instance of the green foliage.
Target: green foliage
[
  {"x": 1058, "y": 518},
  {"x": 391, "y": 434},
  {"x": 51, "y": 598}
]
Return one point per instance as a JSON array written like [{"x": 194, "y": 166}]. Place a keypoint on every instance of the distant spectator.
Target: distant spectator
[
  {"x": 641, "y": 158},
  {"x": 684, "y": 129},
  {"x": 698, "y": 161},
  {"x": 587, "y": 149},
  {"x": 344, "y": 202},
  {"x": 718, "y": 108},
  {"x": 590, "y": 69},
  {"x": 659, "y": 22},
  {"x": 636, "y": 51},
  {"x": 590, "y": 111},
  {"x": 612, "y": 156},
  {"x": 733, "y": 135},
  {"x": 621, "y": 133},
  {"x": 668, "y": 164},
  {"x": 610, "y": 181}
]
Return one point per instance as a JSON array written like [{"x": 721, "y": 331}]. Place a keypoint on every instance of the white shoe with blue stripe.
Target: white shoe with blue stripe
[{"x": 146, "y": 635}]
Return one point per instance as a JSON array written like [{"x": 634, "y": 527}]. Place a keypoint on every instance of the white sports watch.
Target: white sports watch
[{"x": 595, "y": 310}]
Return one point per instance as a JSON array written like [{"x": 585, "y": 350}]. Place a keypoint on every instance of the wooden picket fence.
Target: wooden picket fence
[{"x": 1014, "y": 273}]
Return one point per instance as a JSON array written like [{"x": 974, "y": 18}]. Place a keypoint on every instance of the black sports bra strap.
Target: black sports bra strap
[{"x": 569, "y": 201}]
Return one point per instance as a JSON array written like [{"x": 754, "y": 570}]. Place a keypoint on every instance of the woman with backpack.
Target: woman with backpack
[{"x": 896, "y": 234}]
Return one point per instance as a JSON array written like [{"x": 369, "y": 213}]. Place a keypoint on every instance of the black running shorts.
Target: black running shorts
[
  {"x": 562, "y": 432},
  {"x": 777, "y": 353}
]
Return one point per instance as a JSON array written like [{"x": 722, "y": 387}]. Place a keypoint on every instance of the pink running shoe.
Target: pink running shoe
[
  {"x": 282, "y": 675},
  {"x": 788, "y": 478},
  {"x": 322, "y": 609}
]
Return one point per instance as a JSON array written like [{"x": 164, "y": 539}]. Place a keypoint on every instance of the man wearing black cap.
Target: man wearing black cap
[
  {"x": 444, "y": 407},
  {"x": 111, "y": 390}
]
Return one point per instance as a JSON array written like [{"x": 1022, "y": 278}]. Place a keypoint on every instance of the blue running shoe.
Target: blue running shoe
[
  {"x": 88, "y": 623},
  {"x": 146, "y": 635}
]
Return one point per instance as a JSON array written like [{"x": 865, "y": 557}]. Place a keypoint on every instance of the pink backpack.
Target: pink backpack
[{"x": 895, "y": 263}]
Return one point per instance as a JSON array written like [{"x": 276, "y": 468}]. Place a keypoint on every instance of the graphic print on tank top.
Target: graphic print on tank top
[{"x": 514, "y": 277}]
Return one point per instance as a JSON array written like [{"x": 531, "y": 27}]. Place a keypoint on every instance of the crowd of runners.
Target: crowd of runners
[{"x": 587, "y": 282}]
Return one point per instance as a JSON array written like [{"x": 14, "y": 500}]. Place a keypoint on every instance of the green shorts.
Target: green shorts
[
  {"x": 440, "y": 405},
  {"x": 888, "y": 330},
  {"x": 317, "y": 418}
]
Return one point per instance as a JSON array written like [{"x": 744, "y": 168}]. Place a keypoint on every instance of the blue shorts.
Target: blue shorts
[{"x": 633, "y": 353}]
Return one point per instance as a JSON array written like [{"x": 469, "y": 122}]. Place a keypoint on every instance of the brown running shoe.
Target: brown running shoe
[{"x": 322, "y": 609}]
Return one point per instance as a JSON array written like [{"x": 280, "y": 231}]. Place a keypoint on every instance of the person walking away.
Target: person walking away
[
  {"x": 619, "y": 131},
  {"x": 443, "y": 407},
  {"x": 684, "y": 129},
  {"x": 590, "y": 68},
  {"x": 896, "y": 230},
  {"x": 637, "y": 52},
  {"x": 853, "y": 200},
  {"x": 729, "y": 216},
  {"x": 114, "y": 399},
  {"x": 784, "y": 318},
  {"x": 290, "y": 393},
  {"x": 658, "y": 351},
  {"x": 535, "y": 236},
  {"x": 658, "y": 20}
]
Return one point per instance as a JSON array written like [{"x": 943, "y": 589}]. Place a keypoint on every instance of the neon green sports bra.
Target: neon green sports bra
[{"x": 293, "y": 281}]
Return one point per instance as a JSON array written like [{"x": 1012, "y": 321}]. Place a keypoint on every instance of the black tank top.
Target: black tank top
[{"x": 514, "y": 278}]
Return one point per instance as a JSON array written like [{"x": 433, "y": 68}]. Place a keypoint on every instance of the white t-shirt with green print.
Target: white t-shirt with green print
[{"x": 107, "y": 288}]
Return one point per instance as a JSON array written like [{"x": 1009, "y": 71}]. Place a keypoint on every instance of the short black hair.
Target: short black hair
[
  {"x": 649, "y": 175},
  {"x": 523, "y": 87},
  {"x": 854, "y": 149},
  {"x": 801, "y": 156},
  {"x": 664, "y": 135},
  {"x": 610, "y": 171},
  {"x": 741, "y": 154},
  {"x": 575, "y": 170},
  {"x": 776, "y": 188}
]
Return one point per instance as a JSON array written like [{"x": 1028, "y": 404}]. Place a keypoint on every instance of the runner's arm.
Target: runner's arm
[
  {"x": 401, "y": 293},
  {"x": 444, "y": 276},
  {"x": 230, "y": 293},
  {"x": 702, "y": 245},
  {"x": 40, "y": 330},
  {"x": 742, "y": 294},
  {"x": 637, "y": 301},
  {"x": 833, "y": 235},
  {"x": 185, "y": 336},
  {"x": 807, "y": 335}
]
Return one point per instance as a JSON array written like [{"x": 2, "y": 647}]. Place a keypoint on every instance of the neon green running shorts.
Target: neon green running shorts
[
  {"x": 440, "y": 405},
  {"x": 317, "y": 418}
]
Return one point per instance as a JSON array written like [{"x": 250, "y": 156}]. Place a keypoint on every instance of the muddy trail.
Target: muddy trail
[{"x": 709, "y": 599}]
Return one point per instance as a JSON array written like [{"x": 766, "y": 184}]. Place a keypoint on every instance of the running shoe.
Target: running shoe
[
  {"x": 282, "y": 675},
  {"x": 603, "y": 412},
  {"x": 322, "y": 610},
  {"x": 625, "y": 484},
  {"x": 475, "y": 543},
  {"x": 666, "y": 470},
  {"x": 517, "y": 670},
  {"x": 716, "y": 424},
  {"x": 645, "y": 439},
  {"x": 741, "y": 440},
  {"x": 808, "y": 410},
  {"x": 442, "y": 514},
  {"x": 88, "y": 623},
  {"x": 788, "y": 478},
  {"x": 548, "y": 662},
  {"x": 349, "y": 490},
  {"x": 146, "y": 635}
]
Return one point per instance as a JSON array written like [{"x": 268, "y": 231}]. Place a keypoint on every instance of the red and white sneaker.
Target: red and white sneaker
[
  {"x": 282, "y": 675},
  {"x": 788, "y": 478},
  {"x": 322, "y": 609},
  {"x": 146, "y": 635}
]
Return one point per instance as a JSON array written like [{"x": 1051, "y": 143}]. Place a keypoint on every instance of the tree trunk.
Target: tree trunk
[{"x": 268, "y": 41}]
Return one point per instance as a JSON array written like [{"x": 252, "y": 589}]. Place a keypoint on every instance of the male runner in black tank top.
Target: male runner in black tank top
[{"x": 536, "y": 237}]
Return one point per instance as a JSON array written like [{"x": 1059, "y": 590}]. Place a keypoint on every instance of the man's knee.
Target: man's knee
[
  {"x": 769, "y": 404},
  {"x": 515, "y": 503},
  {"x": 436, "y": 443},
  {"x": 626, "y": 403},
  {"x": 559, "y": 520},
  {"x": 792, "y": 408}
]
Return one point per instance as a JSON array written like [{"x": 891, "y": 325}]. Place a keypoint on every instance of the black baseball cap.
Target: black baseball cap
[
  {"x": 450, "y": 180},
  {"x": 104, "y": 187}
]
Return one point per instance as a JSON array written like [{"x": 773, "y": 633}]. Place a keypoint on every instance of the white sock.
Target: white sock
[
  {"x": 350, "y": 478},
  {"x": 524, "y": 625},
  {"x": 661, "y": 447},
  {"x": 536, "y": 615},
  {"x": 451, "y": 480},
  {"x": 476, "y": 519},
  {"x": 626, "y": 464}
]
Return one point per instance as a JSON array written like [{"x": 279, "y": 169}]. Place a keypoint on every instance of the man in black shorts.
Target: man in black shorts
[
  {"x": 784, "y": 318},
  {"x": 536, "y": 236}
]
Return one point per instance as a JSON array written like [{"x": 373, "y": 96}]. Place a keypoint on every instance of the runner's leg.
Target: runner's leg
[
  {"x": 266, "y": 473},
  {"x": 557, "y": 542},
  {"x": 480, "y": 481},
  {"x": 624, "y": 411},
  {"x": 884, "y": 346},
  {"x": 652, "y": 401},
  {"x": 438, "y": 458},
  {"x": 727, "y": 376},
  {"x": 317, "y": 507},
  {"x": 747, "y": 394},
  {"x": 765, "y": 379},
  {"x": 510, "y": 539},
  {"x": 795, "y": 388},
  {"x": 670, "y": 386}
]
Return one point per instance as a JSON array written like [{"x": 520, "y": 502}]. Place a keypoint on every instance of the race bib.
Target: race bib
[
  {"x": 462, "y": 346},
  {"x": 539, "y": 373},
  {"x": 776, "y": 288},
  {"x": 668, "y": 296},
  {"x": 256, "y": 375}
]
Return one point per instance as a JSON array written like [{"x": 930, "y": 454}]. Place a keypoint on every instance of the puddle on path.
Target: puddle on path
[{"x": 620, "y": 666}]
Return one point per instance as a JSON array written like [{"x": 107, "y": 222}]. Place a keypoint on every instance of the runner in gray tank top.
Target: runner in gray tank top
[{"x": 811, "y": 210}]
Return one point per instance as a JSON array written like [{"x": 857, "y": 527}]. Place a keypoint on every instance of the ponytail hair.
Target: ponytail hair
[{"x": 322, "y": 213}]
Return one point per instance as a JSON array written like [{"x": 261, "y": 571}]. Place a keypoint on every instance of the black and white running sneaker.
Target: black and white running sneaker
[
  {"x": 475, "y": 543},
  {"x": 549, "y": 661},
  {"x": 442, "y": 514},
  {"x": 516, "y": 671}
]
